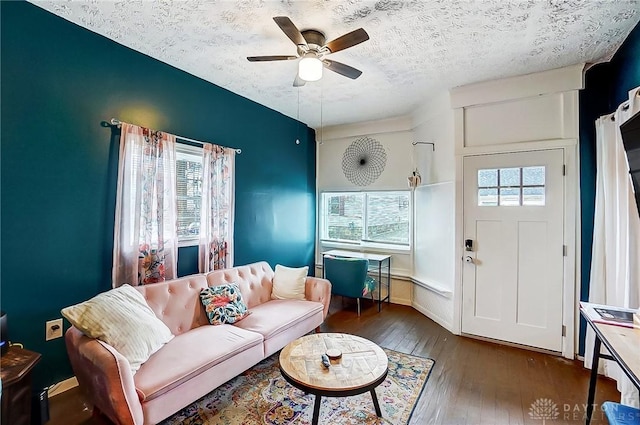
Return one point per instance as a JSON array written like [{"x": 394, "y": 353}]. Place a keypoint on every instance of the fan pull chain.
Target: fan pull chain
[
  {"x": 321, "y": 96},
  {"x": 298, "y": 119}
]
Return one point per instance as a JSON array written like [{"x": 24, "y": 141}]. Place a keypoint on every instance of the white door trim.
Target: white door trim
[{"x": 571, "y": 222}]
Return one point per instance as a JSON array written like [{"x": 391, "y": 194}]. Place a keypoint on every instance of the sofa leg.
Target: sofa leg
[
  {"x": 358, "y": 301},
  {"x": 95, "y": 412},
  {"x": 317, "y": 330}
]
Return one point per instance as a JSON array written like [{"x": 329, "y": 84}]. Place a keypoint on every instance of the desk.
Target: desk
[
  {"x": 15, "y": 370},
  {"x": 623, "y": 345},
  {"x": 379, "y": 264}
]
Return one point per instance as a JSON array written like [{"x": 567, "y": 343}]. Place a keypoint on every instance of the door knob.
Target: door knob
[{"x": 468, "y": 259}]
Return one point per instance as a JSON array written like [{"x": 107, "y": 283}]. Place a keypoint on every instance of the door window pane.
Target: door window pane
[
  {"x": 488, "y": 197},
  {"x": 488, "y": 177},
  {"x": 509, "y": 196},
  {"x": 533, "y": 196},
  {"x": 533, "y": 176},
  {"x": 510, "y": 177}
]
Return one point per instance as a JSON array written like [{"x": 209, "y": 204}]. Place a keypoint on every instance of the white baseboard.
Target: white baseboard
[{"x": 62, "y": 386}]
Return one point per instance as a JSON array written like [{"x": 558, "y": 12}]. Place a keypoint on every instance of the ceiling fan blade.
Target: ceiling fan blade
[
  {"x": 270, "y": 58},
  {"x": 298, "y": 82},
  {"x": 290, "y": 30},
  {"x": 342, "y": 69},
  {"x": 348, "y": 40}
]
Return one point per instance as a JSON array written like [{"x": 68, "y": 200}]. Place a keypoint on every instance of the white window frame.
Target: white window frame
[
  {"x": 191, "y": 152},
  {"x": 362, "y": 243}
]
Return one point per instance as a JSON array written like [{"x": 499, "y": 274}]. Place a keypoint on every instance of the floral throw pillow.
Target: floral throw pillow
[{"x": 223, "y": 304}]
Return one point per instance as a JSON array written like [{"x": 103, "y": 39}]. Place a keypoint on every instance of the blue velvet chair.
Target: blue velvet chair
[
  {"x": 619, "y": 414},
  {"x": 348, "y": 277}
]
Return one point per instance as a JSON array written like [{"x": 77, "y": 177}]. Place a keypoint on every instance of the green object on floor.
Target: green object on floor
[
  {"x": 370, "y": 285},
  {"x": 261, "y": 396}
]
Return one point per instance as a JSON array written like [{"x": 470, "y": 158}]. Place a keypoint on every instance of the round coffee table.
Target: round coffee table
[{"x": 362, "y": 367}]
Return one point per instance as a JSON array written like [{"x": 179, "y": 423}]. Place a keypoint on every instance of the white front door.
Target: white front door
[{"x": 512, "y": 276}]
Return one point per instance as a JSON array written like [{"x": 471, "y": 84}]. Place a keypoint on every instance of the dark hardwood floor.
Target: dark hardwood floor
[{"x": 472, "y": 382}]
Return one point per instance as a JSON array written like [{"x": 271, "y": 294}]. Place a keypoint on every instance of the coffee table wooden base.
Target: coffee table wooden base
[
  {"x": 362, "y": 367},
  {"x": 319, "y": 394}
]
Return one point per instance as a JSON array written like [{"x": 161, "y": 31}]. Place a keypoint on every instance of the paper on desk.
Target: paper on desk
[{"x": 618, "y": 316}]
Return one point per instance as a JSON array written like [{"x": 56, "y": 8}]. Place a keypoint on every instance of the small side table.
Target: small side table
[{"x": 15, "y": 370}]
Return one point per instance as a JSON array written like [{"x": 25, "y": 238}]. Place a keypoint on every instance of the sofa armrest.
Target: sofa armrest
[
  {"x": 318, "y": 289},
  {"x": 105, "y": 376}
]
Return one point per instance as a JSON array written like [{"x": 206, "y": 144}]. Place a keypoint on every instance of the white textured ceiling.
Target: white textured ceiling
[{"x": 416, "y": 48}]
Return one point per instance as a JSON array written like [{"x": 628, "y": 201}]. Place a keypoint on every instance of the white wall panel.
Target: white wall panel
[
  {"x": 433, "y": 122},
  {"x": 435, "y": 306},
  {"x": 434, "y": 253},
  {"x": 434, "y": 231},
  {"x": 558, "y": 80},
  {"x": 521, "y": 120}
]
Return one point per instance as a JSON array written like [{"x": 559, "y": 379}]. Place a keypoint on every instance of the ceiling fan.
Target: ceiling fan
[{"x": 312, "y": 48}]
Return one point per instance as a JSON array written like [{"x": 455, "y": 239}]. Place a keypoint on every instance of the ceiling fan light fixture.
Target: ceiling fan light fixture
[
  {"x": 310, "y": 67},
  {"x": 311, "y": 48}
]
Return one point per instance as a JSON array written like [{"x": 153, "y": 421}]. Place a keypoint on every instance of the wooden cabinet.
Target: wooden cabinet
[{"x": 15, "y": 370}]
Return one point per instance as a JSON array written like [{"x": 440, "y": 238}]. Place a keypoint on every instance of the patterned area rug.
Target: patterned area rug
[{"x": 260, "y": 396}]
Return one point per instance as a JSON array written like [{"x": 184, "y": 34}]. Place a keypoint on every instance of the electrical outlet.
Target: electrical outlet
[{"x": 53, "y": 329}]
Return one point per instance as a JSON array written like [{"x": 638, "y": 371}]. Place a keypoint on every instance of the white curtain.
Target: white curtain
[
  {"x": 615, "y": 265},
  {"x": 145, "y": 240},
  {"x": 217, "y": 209}
]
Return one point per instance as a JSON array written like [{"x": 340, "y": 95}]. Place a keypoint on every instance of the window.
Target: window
[
  {"x": 366, "y": 217},
  {"x": 522, "y": 186},
  {"x": 188, "y": 191}
]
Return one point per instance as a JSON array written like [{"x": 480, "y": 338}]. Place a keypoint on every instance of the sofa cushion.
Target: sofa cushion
[
  {"x": 177, "y": 302},
  {"x": 223, "y": 304},
  {"x": 276, "y": 316},
  {"x": 289, "y": 283},
  {"x": 190, "y": 354},
  {"x": 121, "y": 318},
  {"x": 254, "y": 280}
]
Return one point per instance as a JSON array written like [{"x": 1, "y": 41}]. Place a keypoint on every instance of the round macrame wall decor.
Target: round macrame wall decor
[{"x": 363, "y": 161}]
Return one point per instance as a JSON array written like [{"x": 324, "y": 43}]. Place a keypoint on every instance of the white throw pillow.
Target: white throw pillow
[
  {"x": 122, "y": 318},
  {"x": 289, "y": 283}
]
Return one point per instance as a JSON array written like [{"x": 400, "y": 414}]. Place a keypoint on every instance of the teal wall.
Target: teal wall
[
  {"x": 606, "y": 87},
  {"x": 58, "y": 167}
]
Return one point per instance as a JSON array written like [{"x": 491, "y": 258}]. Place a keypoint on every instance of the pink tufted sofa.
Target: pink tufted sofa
[{"x": 201, "y": 357}]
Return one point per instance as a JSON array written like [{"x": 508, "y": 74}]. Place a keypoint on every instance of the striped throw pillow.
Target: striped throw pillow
[{"x": 121, "y": 318}]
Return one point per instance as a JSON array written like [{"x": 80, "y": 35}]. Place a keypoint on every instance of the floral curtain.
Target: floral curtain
[
  {"x": 145, "y": 241},
  {"x": 217, "y": 209}
]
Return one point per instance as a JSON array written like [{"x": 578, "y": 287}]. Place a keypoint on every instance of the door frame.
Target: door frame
[{"x": 571, "y": 224}]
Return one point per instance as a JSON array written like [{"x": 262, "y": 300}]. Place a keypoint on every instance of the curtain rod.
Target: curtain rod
[{"x": 116, "y": 122}]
